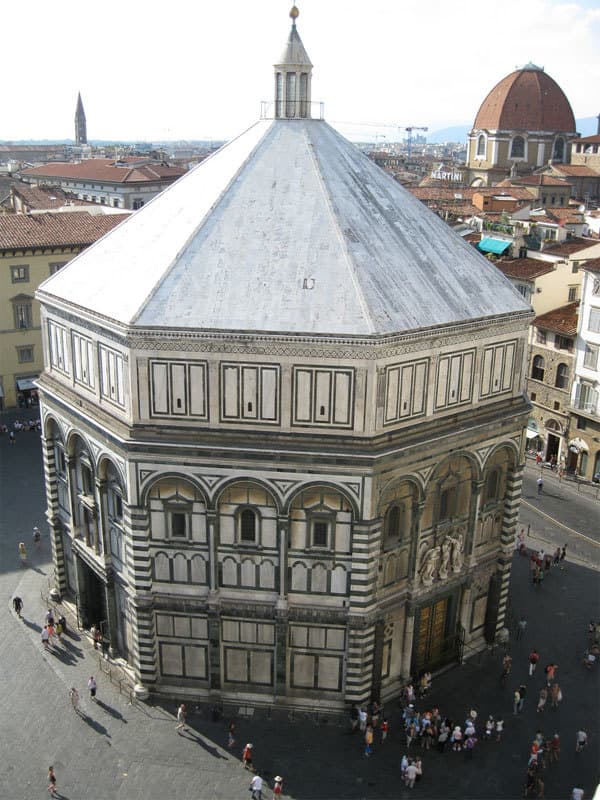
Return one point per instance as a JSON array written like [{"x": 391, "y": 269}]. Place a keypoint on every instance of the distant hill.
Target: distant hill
[{"x": 458, "y": 133}]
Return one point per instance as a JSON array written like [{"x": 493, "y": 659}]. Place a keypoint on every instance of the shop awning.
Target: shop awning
[
  {"x": 578, "y": 445},
  {"x": 531, "y": 434},
  {"x": 497, "y": 246},
  {"x": 25, "y": 384}
]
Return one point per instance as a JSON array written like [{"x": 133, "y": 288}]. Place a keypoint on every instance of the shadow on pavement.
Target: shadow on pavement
[
  {"x": 94, "y": 724},
  {"x": 210, "y": 749},
  {"x": 76, "y": 651},
  {"x": 112, "y": 711},
  {"x": 33, "y": 625},
  {"x": 63, "y": 655}
]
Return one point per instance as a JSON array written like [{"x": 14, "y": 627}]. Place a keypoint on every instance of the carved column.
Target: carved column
[
  {"x": 415, "y": 534},
  {"x": 213, "y": 575},
  {"x": 477, "y": 488},
  {"x": 102, "y": 540},
  {"x": 407, "y": 645}
]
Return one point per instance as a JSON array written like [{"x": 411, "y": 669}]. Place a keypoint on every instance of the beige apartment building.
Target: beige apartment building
[{"x": 33, "y": 247}]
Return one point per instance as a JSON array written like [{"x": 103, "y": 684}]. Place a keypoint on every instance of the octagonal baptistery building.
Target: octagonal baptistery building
[
  {"x": 283, "y": 421},
  {"x": 525, "y": 121}
]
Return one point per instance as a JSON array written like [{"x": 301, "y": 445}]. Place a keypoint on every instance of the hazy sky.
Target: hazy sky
[{"x": 194, "y": 70}]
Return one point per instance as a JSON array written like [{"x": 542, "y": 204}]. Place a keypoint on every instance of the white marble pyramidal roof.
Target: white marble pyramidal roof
[{"x": 288, "y": 228}]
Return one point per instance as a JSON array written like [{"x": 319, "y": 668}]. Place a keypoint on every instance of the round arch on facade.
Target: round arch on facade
[
  {"x": 74, "y": 434},
  {"x": 260, "y": 484},
  {"x": 51, "y": 421},
  {"x": 393, "y": 483},
  {"x": 170, "y": 476},
  {"x": 104, "y": 459},
  {"x": 439, "y": 469},
  {"x": 508, "y": 445},
  {"x": 352, "y": 502}
]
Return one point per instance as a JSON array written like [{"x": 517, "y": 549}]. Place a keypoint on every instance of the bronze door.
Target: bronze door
[{"x": 431, "y": 643}]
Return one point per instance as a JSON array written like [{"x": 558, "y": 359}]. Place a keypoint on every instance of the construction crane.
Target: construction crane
[{"x": 409, "y": 129}]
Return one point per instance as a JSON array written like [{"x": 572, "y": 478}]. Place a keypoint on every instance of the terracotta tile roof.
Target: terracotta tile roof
[
  {"x": 108, "y": 170},
  {"x": 79, "y": 228},
  {"x": 539, "y": 180},
  {"x": 569, "y": 247},
  {"x": 441, "y": 193},
  {"x": 526, "y": 100},
  {"x": 593, "y": 265},
  {"x": 40, "y": 198},
  {"x": 560, "y": 320},
  {"x": 576, "y": 170},
  {"x": 525, "y": 268},
  {"x": 595, "y": 139}
]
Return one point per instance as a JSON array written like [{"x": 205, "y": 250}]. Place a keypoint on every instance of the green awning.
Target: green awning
[{"x": 497, "y": 246}]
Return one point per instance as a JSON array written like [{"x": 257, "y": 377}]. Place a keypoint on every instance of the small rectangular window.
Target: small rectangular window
[
  {"x": 55, "y": 266},
  {"x": 23, "y": 315},
  {"x": 178, "y": 524},
  {"x": 25, "y": 354},
  {"x": 320, "y": 533},
  {"x": 533, "y": 396},
  {"x": 20, "y": 273},
  {"x": 572, "y": 294},
  {"x": 590, "y": 356}
]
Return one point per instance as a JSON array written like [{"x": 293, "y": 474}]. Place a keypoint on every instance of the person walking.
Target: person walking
[
  {"x": 231, "y": 735},
  {"x": 385, "y": 726},
  {"x": 470, "y": 743},
  {"x": 45, "y": 637},
  {"x": 550, "y": 670},
  {"x": 23, "y": 554},
  {"x": 563, "y": 555},
  {"x": 534, "y": 657},
  {"x": 11, "y": 437},
  {"x": 180, "y": 719},
  {"x": 555, "y": 695},
  {"x": 37, "y": 538},
  {"x": 410, "y": 775},
  {"x": 521, "y": 628},
  {"x": 277, "y": 786},
  {"x": 516, "y": 701},
  {"x": 499, "y": 729},
  {"x": 368, "y": 741},
  {"x": 17, "y": 605},
  {"x": 92, "y": 686},
  {"x": 581, "y": 740},
  {"x": 555, "y": 747},
  {"x": 256, "y": 787},
  {"x": 542, "y": 699},
  {"x": 51, "y": 781},
  {"x": 353, "y": 718},
  {"x": 74, "y": 698},
  {"x": 522, "y": 693},
  {"x": 247, "y": 757},
  {"x": 540, "y": 485},
  {"x": 362, "y": 720}
]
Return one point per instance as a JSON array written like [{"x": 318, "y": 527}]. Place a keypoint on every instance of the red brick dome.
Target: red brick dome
[{"x": 526, "y": 100}]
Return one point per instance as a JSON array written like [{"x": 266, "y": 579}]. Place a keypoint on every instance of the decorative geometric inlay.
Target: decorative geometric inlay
[
  {"x": 482, "y": 453},
  {"x": 95, "y": 448},
  {"x": 425, "y": 473},
  {"x": 210, "y": 480},
  {"x": 146, "y": 473},
  {"x": 283, "y": 485},
  {"x": 354, "y": 488}
]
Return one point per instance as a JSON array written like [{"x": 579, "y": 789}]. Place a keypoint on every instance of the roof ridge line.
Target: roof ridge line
[
  {"x": 201, "y": 222},
  {"x": 342, "y": 239}
]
